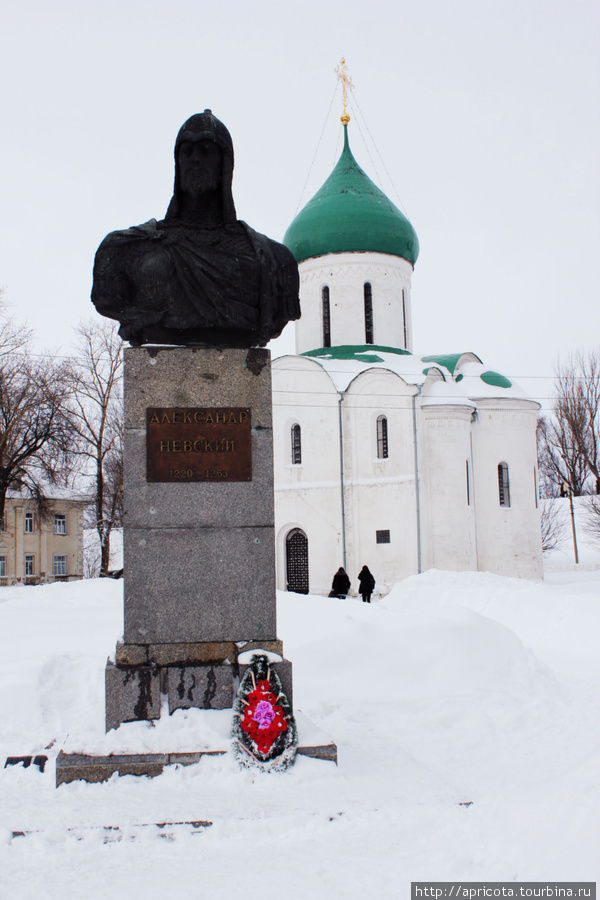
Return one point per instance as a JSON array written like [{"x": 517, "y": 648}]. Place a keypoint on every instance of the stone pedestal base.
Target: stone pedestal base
[{"x": 193, "y": 676}]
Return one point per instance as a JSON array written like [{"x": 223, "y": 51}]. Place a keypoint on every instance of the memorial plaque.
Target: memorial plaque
[{"x": 198, "y": 444}]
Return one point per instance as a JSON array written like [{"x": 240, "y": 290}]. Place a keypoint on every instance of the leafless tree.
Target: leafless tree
[
  {"x": 35, "y": 393},
  {"x": 569, "y": 440},
  {"x": 591, "y": 517},
  {"x": 559, "y": 459},
  {"x": 577, "y": 406},
  {"x": 99, "y": 427},
  {"x": 553, "y": 525}
]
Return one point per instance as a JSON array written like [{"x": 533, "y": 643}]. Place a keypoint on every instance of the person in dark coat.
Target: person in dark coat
[
  {"x": 366, "y": 584},
  {"x": 340, "y": 584}
]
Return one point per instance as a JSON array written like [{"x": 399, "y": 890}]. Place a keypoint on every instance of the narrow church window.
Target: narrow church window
[
  {"x": 296, "y": 445},
  {"x": 382, "y": 438},
  {"x": 326, "y": 317},
  {"x": 368, "y": 314},
  {"x": 404, "y": 320},
  {"x": 503, "y": 487},
  {"x": 468, "y": 483},
  {"x": 535, "y": 486}
]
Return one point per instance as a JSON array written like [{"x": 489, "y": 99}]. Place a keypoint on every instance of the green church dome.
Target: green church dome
[{"x": 351, "y": 214}]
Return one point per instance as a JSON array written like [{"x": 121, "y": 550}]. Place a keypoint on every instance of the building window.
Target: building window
[
  {"x": 296, "y": 445},
  {"x": 59, "y": 565},
  {"x": 60, "y": 523},
  {"x": 368, "y": 314},
  {"x": 29, "y": 566},
  {"x": 3, "y": 523},
  {"x": 468, "y": 483},
  {"x": 382, "y": 537},
  {"x": 503, "y": 486},
  {"x": 29, "y": 523},
  {"x": 326, "y": 317},
  {"x": 404, "y": 320},
  {"x": 2, "y": 567},
  {"x": 382, "y": 437}
]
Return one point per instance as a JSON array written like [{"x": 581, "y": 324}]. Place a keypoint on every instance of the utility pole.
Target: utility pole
[{"x": 569, "y": 493}]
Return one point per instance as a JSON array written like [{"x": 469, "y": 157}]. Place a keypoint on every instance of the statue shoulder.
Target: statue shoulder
[
  {"x": 277, "y": 254},
  {"x": 148, "y": 230}
]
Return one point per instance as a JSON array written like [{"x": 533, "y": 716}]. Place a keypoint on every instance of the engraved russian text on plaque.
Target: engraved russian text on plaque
[{"x": 198, "y": 444}]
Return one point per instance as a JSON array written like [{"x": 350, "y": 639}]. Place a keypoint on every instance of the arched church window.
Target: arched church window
[
  {"x": 296, "y": 445},
  {"x": 368, "y": 313},
  {"x": 404, "y": 320},
  {"x": 503, "y": 485},
  {"x": 382, "y": 437},
  {"x": 326, "y": 316}
]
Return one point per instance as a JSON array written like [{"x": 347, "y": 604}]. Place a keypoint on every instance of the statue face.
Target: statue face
[{"x": 199, "y": 164}]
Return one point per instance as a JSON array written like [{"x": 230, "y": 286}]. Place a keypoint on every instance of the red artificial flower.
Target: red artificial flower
[{"x": 263, "y": 720}]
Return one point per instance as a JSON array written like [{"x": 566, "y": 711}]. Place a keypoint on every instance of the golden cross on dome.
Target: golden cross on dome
[{"x": 342, "y": 73}]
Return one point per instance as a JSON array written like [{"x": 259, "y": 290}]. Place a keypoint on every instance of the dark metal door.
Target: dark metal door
[{"x": 296, "y": 560}]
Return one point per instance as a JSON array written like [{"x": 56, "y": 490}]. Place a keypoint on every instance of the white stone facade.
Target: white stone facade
[
  {"x": 427, "y": 497},
  {"x": 345, "y": 274}
]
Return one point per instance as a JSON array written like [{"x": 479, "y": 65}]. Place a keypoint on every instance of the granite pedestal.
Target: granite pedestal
[{"x": 199, "y": 545}]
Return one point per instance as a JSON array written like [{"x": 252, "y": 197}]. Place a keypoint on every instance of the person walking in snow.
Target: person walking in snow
[
  {"x": 366, "y": 584},
  {"x": 340, "y": 584}
]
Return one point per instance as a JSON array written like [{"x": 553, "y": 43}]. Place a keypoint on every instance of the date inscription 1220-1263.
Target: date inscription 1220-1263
[{"x": 198, "y": 444}]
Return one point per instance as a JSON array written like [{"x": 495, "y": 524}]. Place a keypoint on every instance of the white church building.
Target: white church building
[{"x": 385, "y": 457}]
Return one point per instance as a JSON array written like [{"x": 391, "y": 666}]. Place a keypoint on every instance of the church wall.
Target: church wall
[
  {"x": 509, "y": 539},
  {"x": 307, "y": 495},
  {"x": 380, "y": 492},
  {"x": 459, "y": 531},
  {"x": 346, "y": 274},
  {"x": 448, "y": 519}
]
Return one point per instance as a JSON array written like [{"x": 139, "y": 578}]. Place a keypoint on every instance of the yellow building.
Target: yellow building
[{"x": 35, "y": 549}]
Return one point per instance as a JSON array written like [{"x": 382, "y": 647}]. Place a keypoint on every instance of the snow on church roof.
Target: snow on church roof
[{"x": 455, "y": 378}]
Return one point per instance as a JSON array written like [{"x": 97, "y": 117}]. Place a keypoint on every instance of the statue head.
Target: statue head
[{"x": 192, "y": 146}]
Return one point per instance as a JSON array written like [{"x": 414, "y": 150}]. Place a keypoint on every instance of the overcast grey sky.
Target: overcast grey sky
[{"x": 486, "y": 115}]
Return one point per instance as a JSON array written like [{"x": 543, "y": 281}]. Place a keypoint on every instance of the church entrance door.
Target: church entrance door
[{"x": 296, "y": 561}]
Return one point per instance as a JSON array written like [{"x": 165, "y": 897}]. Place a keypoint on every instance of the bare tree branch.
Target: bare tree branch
[
  {"x": 35, "y": 436},
  {"x": 569, "y": 441},
  {"x": 591, "y": 517},
  {"x": 553, "y": 525},
  {"x": 98, "y": 423}
]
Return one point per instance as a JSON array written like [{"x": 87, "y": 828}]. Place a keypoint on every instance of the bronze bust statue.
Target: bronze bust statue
[{"x": 199, "y": 276}]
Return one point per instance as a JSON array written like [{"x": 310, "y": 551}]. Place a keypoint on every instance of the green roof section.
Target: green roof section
[
  {"x": 359, "y": 352},
  {"x": 496, "y": 379},
  {"x": 350, "y": 214},
  {"x": 448, "y": 360}
]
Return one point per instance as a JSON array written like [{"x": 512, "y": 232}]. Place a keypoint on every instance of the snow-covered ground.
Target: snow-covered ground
[{"x": 454, "y": 689}]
